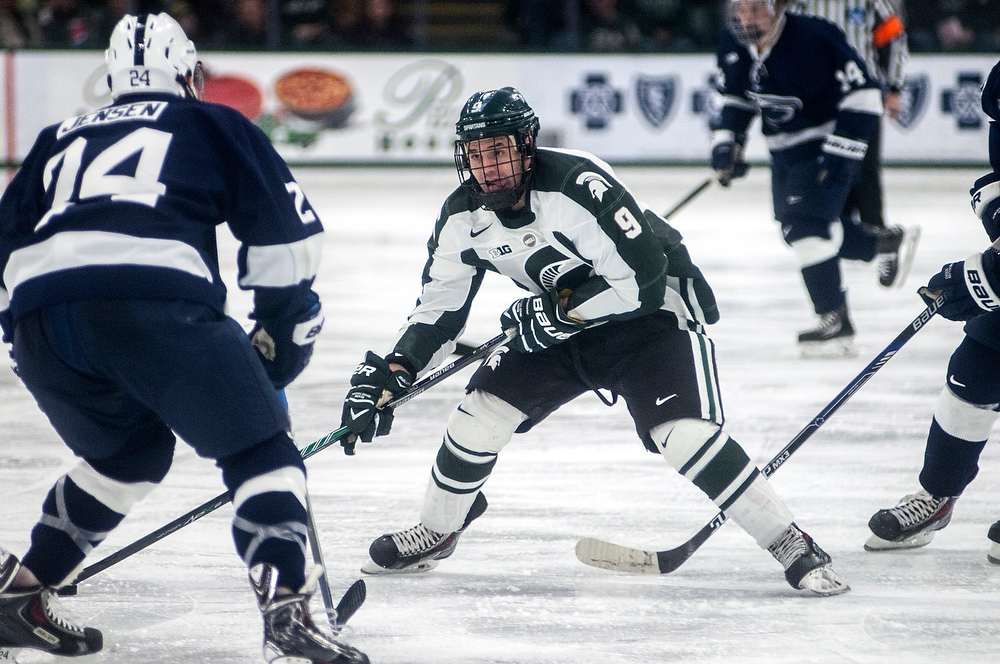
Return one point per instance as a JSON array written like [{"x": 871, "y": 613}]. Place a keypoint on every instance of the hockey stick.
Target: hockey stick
[
  {"x": 687, "y": 199},
  {"x": 419, "y": 387},
  {"x": 317, "y": 555},
  {"x": 606, "y": 555}
]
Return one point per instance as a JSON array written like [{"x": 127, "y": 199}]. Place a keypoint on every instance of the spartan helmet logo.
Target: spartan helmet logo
[{"x": 595, "y": 183}]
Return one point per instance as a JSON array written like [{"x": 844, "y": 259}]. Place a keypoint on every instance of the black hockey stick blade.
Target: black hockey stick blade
[
  {"x": 610, "y": 556},
  {"x": 687, "y": 199},
  {"x": 351, "y": 602},
  {"x": 419, "y": 387}
]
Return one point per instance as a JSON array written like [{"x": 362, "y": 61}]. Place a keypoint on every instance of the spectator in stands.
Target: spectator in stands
[
  {"x": 542, "y": 25},
  {"x": 67, "y": 24},
  {"x": 18, "y": 27},
  {"x": 676, "y": 25},
  {"x": 372, "y": 25},
  {"x": 107, "y": 16},
  {"x": 306, "y": 24},
  {"x": 609, "y": 26},
  {"x": 953, "y": 25},
  {"x": 246, "y": 27}
]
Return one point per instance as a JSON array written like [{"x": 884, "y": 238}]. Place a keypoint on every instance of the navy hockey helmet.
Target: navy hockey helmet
[
  {"x": 752, "y": 20},
  {"x": 151, "y": 53},
  {"x": 497, "y": 181}
]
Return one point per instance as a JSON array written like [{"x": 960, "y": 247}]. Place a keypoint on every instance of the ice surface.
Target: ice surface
[{"x": 514, "y": 592}]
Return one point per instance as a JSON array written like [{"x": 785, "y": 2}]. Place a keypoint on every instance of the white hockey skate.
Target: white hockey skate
[
  {"x": 807, "y": 567},
  {"x": 910, "y": 524},
  {"x": 417, "y": 549}
]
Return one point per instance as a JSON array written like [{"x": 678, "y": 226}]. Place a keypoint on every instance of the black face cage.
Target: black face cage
[{"x": 503, "y": 199}]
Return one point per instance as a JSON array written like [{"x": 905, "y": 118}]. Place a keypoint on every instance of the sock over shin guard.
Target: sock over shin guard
[
  {"x": 477, "y": 430},
  {"x": 702, "y": 452}
]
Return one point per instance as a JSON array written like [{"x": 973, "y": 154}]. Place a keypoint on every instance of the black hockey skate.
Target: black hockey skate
[
  {"x": 807, "y": 567},
  {"x": 33, "y": 618},
  {"x": 910, "y": 524},
  {"x": 895, "y": 248},
  {"x": 834, "y": 337},
  {"x": 417, "y": 549},
  {"x": 994, "y": 555},
  {"x": 290, "y": 636}
]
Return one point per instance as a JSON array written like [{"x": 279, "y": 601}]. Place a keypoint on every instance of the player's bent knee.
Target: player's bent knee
[
  {"x": 962, "y": 419},
  {"x": 815, "y": 250},
  {"x": 483, "y": 422},
  {"x": 680, "y": 440}
]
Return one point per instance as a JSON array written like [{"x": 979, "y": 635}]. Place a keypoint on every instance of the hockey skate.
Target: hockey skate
[
  {"x": 895, "y": 249},
  {"x": 912, "y": 523},
  {"x": 290, "y": 636},
  {"x": 834, "y": 337},
  {"x": 807, "y": 567},
  {"x": 33, "y": 618},
  {"x": 417, "y": 549},
  {"x": 994, "y": 555}
]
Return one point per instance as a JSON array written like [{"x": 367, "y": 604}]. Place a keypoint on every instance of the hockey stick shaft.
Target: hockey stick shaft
[
  {"x": 669, "y": 560},
  {"x": 317, "y": 556},
  {"x": 687, "y": 199},
  {"x": 419, "y": 387}
]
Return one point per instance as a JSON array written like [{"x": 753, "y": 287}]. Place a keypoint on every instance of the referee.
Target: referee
[{"x": 875, "y": 30}]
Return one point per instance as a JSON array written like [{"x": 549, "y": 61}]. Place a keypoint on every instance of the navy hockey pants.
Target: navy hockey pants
[{"x": 116, "y": 379}]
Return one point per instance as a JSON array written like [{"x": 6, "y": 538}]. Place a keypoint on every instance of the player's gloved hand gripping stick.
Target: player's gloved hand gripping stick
[{"x": 422, "y": 385}]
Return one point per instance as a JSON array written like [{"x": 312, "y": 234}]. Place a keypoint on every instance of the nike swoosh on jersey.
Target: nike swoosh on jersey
[
  {"x": 473, "y": 233},
  {"x": 662, "y": 400},
  {"x": 951, "y": 379}
]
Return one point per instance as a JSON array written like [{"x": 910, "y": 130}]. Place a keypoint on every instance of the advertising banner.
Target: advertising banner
[{"x": 330, "y": 108}]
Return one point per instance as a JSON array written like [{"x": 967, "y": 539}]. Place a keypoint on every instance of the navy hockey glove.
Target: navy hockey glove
[
  {"x": 969, "y": 287},
  {"x": 540, "y": 323},
  {"x": 373, "y": 383},
  {"x": 727, "y": 162},
  {"x": 986, "y": 203},
  {"x": 285, "y": 345}
]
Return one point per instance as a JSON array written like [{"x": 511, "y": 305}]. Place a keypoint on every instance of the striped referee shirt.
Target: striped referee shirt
[{"x": 868, "y": 26}]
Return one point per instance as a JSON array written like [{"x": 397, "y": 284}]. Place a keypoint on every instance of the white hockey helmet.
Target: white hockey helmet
[{"x": 151, "y": 53}]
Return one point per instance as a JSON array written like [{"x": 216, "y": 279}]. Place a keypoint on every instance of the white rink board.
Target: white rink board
[{"x": 635, "y": 108}]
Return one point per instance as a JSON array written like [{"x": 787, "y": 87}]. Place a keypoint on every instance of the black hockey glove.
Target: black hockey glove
[
  {"x": 969, "y": 287},
  {"x": 540, "y": 323},
  {"x": 986, "y": 203},
  {"x": 363, "y": 415},
  {"x": 285, "y": 345},
  {"x": 727, "y": 162}
]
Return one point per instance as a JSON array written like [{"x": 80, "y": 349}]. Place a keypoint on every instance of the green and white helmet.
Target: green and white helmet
[{"x": 502, "y": 112}]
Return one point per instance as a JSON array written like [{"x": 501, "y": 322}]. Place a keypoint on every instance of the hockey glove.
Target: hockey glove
[
  {"x": 364, "y": 414},
  {"x": 540, "y": 323},
  {"x": 285, "y": 345},
  {"x": 727, "y": 162},
  {"x": 969, "y": 287},
  {"x": 986, "y": 203}
]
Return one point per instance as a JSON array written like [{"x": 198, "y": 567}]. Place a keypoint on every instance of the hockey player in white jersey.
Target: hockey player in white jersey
[
  {"x": 615, "y": 304},
  {"x": 969, "y": 402},
  {"x": 112, "y": 299}
]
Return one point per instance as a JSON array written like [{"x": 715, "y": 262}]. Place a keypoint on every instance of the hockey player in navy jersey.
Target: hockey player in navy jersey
[
  {"x": 615, "y": 303},
  {"x": 114, "y": 305},
  {"x": 967, "y": 408},
  {"x": 818, "y": 106}
]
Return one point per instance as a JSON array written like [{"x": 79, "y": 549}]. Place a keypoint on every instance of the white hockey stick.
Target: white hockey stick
[{"x": 607, "y": 555}]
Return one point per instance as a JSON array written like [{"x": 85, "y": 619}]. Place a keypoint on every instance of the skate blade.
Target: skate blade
[
  {"x": 907, "y": 251},
  {"x": 876, "y": 543},
  {"x": 374, "y": 569},
  {"x": 828, "y": 350},
  {"x": 824, "y": 582}
]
